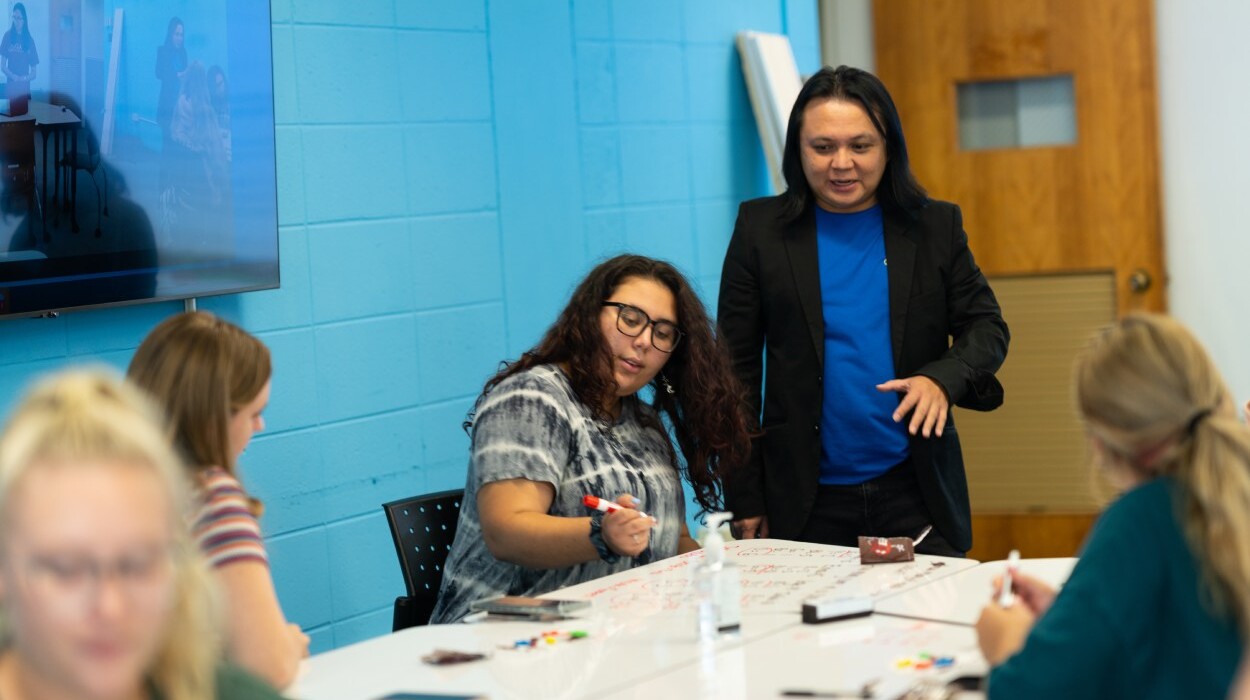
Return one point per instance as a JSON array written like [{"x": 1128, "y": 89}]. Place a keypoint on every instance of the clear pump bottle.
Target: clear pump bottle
[{"x": 717, "y": 585}]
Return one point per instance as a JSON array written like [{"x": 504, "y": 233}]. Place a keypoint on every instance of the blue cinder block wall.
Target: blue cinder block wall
[{"x": 446, "y": 172}]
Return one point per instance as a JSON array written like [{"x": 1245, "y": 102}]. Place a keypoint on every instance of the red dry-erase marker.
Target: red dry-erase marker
[{"x": 605, "y": 505}]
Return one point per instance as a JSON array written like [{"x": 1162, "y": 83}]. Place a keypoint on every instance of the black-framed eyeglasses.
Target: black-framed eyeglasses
[{"x": 632, "y": 321}]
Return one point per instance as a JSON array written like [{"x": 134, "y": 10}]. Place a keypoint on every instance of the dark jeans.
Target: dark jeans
[{"x": 890, "y": 505}]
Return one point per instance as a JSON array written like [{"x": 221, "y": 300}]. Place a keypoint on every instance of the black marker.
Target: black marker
[{"x": 863, "y": 693}]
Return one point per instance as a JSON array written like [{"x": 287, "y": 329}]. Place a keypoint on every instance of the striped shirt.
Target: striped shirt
[{"x": 225, "y": 528}]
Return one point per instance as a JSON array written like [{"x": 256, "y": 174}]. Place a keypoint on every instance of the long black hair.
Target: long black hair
[
  {"x": 174, "y": 23},
  {"x": 25, "y": 38},
  {"x": 899, "y": 192},
  {"x": 707, "y": 408}
]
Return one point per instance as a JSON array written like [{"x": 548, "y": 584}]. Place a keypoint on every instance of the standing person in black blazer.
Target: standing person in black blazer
[{"x": 853, "y": 304}]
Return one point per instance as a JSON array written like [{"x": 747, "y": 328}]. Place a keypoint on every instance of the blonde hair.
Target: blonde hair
[
  {"x": 1151, "y": 395},
  {"x": 85, "y": 415},
  {"x": 201, "y": 369}
]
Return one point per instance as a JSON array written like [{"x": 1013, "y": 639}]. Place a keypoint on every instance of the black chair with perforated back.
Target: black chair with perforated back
[
  {"x": 87, "y": 158},
  {"x": 423, "y": 528}
]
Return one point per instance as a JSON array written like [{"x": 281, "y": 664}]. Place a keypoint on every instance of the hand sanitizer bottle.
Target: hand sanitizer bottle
[{"x": 717, "y": 585}]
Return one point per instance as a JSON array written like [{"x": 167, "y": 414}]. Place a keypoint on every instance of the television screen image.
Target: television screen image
[{"x": 136, "y": 152}]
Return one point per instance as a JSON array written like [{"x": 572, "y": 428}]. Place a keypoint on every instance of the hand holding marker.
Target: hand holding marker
[
  {"x": 1005, "y": 596},
  {"x": 606, "y": 506},
  {"x": 626, "y": 528}
]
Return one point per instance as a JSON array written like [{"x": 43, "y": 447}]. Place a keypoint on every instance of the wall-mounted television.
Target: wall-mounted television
[{"x": 136, "y": 152}]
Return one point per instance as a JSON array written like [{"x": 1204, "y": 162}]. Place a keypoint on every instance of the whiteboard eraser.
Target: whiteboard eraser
[{"x": 831, "y": 609}]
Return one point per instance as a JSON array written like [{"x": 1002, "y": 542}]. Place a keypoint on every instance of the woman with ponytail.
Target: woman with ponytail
[{"x": 1159, "y": 604}]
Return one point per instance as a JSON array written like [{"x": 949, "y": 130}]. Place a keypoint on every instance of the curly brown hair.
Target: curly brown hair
[{"x": 707, "y": 409}]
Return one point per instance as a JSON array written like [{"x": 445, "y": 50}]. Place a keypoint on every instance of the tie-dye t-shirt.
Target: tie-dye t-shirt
[{"x": 532, "y": 426}]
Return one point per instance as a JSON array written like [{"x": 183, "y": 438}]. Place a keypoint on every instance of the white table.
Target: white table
[
  {"x": 958, "y": 598},
  {"x": 52, "y": 120},
  {"x": 841, "y": 656},
  {"x": 641, "y": 641},
  {"x": 618, "y": 652}
]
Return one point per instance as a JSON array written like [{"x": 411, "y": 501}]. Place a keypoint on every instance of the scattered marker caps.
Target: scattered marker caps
[
  {"x": 924, "y": 661},
  {"x": 549, "y": 638}
]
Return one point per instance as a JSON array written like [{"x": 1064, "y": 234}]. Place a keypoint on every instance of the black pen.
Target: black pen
[{"x": 865, "y": 692}]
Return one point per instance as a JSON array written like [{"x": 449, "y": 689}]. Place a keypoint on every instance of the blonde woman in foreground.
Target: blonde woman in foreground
[
  {"x": 102, "y": 594},
  {"x": 211, "y": 378},
  {"x": 1159, "y": 604}
]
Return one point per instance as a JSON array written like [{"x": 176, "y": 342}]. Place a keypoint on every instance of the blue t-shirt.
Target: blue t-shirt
[{"x": 858, "y": 436}]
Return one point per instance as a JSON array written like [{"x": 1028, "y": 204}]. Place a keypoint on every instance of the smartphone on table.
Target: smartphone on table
[{"x": 527, "y": 607}]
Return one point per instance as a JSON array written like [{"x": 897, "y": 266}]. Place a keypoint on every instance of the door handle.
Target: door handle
[{"x": 1139, "y": 281}]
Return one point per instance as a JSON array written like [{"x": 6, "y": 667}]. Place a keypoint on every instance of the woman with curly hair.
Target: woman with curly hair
[
  {"x": 197, "y": 144},
  {"x": 565, "y": 420}
]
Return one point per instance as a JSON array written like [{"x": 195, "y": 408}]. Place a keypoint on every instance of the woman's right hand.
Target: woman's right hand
[
  {"x": 1034, "y": 594},
  {"x": 626, "y": 531},
  {"x": 750, "y": 528}
]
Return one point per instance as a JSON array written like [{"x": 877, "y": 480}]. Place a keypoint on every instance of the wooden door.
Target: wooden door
[
  {"x": 1039, "y": 213},
  {"x": 65, "y": 54}
]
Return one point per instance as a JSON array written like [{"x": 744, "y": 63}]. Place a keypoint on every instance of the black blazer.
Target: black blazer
[{"x": 770, "y": 312}]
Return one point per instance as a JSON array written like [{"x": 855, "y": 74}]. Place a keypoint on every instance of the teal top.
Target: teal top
[{"x": 1133, "y": 621}]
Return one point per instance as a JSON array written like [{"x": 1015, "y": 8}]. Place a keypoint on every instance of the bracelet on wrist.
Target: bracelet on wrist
[{"x": 596, "y": 539}]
